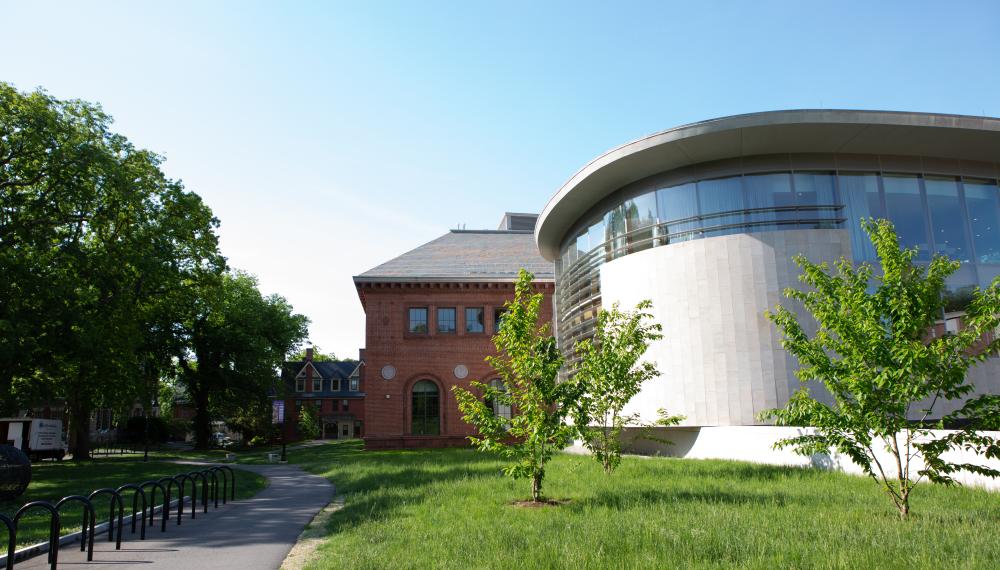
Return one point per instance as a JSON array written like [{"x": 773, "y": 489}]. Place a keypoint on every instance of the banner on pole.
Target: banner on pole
[{"x": 278, "y": 412}]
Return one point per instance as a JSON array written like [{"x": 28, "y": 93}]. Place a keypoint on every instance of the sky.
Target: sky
[{"x": 329, "y": 137}]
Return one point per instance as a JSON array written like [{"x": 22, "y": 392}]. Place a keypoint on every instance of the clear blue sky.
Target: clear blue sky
[{"x": 329, "y": 137}]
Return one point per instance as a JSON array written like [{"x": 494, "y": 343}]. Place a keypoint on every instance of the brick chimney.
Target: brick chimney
[{"x": 309, "y": 354}]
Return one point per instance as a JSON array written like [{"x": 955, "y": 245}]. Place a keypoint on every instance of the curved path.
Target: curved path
[{"x": 252, "y": 533}]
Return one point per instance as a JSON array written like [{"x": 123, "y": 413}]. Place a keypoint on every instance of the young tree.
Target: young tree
[
  {"x": 528, "y": 363},
  {"x": 609, "y": 375},
  {"x": 888, "y": 373},
  {"x": 309, "y": 421}
]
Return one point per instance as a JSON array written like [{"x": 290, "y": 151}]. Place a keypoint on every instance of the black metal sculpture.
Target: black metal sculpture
[{"x": 15, "y": 472}]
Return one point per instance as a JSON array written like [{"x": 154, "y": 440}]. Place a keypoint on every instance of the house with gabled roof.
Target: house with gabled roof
[{"x": 334, "y": 387}]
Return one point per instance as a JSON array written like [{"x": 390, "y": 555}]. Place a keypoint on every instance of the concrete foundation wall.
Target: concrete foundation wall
[{"x": 754, "y": 444}]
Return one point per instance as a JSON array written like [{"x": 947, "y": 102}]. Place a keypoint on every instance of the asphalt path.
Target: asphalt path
[{"x": 252, "y": 533}]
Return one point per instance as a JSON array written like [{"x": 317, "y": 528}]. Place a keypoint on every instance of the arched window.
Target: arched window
[
  {"x": 426, "y": 419},
  {"x": 499, "y": 409}
]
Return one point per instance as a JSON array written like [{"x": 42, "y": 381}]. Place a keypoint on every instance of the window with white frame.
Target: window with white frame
[
  {"x": 317, "y": 384},
  {"x": 300, "y": 384}
]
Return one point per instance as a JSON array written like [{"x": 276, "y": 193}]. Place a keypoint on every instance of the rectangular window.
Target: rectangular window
[
  {"x": 335, "y": 384},
  {"x": 300, "y": 384},
  {"x": 905, "y": 207},
  {"x": 860, "y": 194},
  {"x": 498, "y": 314},
  {"x": 446, "y": 320},
  {"x": 765, "y": 192},
  {"x": 678, "y": 203},
  {"x": 354, "y": 384},
  {"x": 982, "y": 197},
  {"x": 317, "y": 385},
  {"x": 474, "y": 320},
  {"x": 298, "y": 404},
  {"x": 640, "y": 221},
  {"x": 344, "y": 403},
  {"x": 721, "y": 196},
  {"x": 947, "y": 218},
  {"x": 418, "y": 320}
]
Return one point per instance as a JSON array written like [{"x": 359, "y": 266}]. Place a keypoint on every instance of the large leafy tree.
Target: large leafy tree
[
  {"x": 889, "y": 374},
  {"x": 236, "y": 340},
  {"x": 528, "y": 364},
  {"x": 609, "y": 374},
  {"x": 94, "y": 239}
]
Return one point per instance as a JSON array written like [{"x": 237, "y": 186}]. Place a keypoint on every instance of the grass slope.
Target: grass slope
[
  {"x": 452, "y": 509},
  {"x": 51, "y": 481}
]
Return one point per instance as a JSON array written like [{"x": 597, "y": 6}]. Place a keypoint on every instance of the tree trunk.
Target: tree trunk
[
  {"x": 202, "y": 422},
  {"x": 79, "y": 420},
  {"x": 536, "y": 486}
]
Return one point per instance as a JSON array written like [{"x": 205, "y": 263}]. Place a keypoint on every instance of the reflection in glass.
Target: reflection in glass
[
  {"x": 678, "y": 203},
  {"x": 474, "y": 320},
  {"x": 861, "y": 198},
  {"x": 947, "y": 218},
  {"x": 721, "y": 195},
  {"x": 640, "y": 219},
  {"x": 614, "y": 223},
  {"x": 906, "y": 211},
  {"x": 983, "y": 201},
  {"x": 815, "y": 189},
  {"x": 425, "y": 409},
  {"x": 769, "y": 191}
]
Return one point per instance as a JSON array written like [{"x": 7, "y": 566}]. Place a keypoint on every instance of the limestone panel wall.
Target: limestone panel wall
[{"x": 720, "y": 358}]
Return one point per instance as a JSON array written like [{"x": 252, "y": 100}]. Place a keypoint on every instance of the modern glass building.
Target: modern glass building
[{"x": 704, "y": 219}]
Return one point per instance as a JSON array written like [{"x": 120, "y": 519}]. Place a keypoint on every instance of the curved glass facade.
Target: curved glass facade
[{"x": 953, "y": 215}]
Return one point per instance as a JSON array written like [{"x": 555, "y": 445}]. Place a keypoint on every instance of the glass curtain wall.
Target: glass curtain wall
[{"x": 950, "y": 215}]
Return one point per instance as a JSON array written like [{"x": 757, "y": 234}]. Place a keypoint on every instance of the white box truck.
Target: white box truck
[{"x": 37, "y": 438}]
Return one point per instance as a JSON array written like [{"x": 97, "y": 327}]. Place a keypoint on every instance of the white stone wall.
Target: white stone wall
[
  {"x": 755, "y": 444},
  {"x": 720, "y": 359}
]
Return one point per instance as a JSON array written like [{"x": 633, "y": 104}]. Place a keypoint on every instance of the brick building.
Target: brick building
[
  {"x": 430, "y": 314},
  {"x": 334, "y": 387}
]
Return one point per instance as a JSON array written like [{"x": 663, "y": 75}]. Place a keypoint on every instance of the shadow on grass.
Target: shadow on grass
[
  {"x": 628, "y": 500},
  {"x": 380, "y": 483}
]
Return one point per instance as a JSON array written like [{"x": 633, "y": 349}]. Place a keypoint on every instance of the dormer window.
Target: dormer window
[
  {"x": 300, "y": 384},
  {"x": 335, "y": 384},
  {"x": 317, "y": 384}
]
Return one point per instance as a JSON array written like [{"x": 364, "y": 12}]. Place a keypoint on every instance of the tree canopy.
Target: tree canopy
[{"x": 888, "y": 371}]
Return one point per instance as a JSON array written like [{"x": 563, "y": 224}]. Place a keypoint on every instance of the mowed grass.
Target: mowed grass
[
  {"x": 51, "y": 481},
  {"x": 452, "y": 509}
]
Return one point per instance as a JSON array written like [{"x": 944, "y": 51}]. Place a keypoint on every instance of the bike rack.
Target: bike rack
[
  {"x": 54, "y": 527},
  {"x": 86, "y": 539},
  {"x": 232, "y": 476},
  {"x": 204, "y": 488},
  {"x": 136, "y": 495},
  {"x": 115, "y": 498},
  {"x": 164, "y": 484},
  {"x": 11, "y": 537},
  {"x": 152, "y": 504}
]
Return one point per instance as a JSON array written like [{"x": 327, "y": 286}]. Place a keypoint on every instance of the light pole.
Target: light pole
[{"x": 155, "y": 408}]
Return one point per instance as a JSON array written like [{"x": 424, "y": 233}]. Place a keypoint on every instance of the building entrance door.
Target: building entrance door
[
  {"x": 346, "y": 430},
  {"x": 330, "y": 430}
]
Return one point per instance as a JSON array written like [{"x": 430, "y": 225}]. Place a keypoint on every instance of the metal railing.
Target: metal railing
[{"x": 141, "y": 517}]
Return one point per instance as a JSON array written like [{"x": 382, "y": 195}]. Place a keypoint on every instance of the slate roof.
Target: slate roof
[
  {"x": 327, "y": 369},
  {"x": 466, "y": 255}
]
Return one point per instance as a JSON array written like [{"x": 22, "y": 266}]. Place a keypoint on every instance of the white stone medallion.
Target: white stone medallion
[
  {"x": 388, "y": 372},
  {"x": 461, "y": 371}
]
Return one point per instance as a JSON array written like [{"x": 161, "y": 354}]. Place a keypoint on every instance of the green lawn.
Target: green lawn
[
  {"x": 51, "y": 481},
  {"x": 452, "y": 509}
]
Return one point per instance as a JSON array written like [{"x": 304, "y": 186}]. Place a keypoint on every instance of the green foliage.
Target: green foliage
[
  {"x": 609, "y": 375},
  {"x": 238, "y": 339},
  {"x": 528, "y": 363},
  {"x": 96, "y": 246},
  {"x": 318, "y": 355},
  {"x": 887, "y": 372},
  {"x": 309, "y": 421}
]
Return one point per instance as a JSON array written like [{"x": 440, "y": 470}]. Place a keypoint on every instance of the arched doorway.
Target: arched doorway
[{"x": 425, "y": 409}]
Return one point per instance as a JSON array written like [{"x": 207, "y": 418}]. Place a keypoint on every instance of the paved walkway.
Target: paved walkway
[{"x": 252, "y": 533}]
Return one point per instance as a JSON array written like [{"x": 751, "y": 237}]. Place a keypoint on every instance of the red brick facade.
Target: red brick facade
[{"x": 432, "y": 355}]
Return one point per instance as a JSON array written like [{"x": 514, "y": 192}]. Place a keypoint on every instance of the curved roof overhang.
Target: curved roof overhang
[{"x": 773, "y": 132}]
